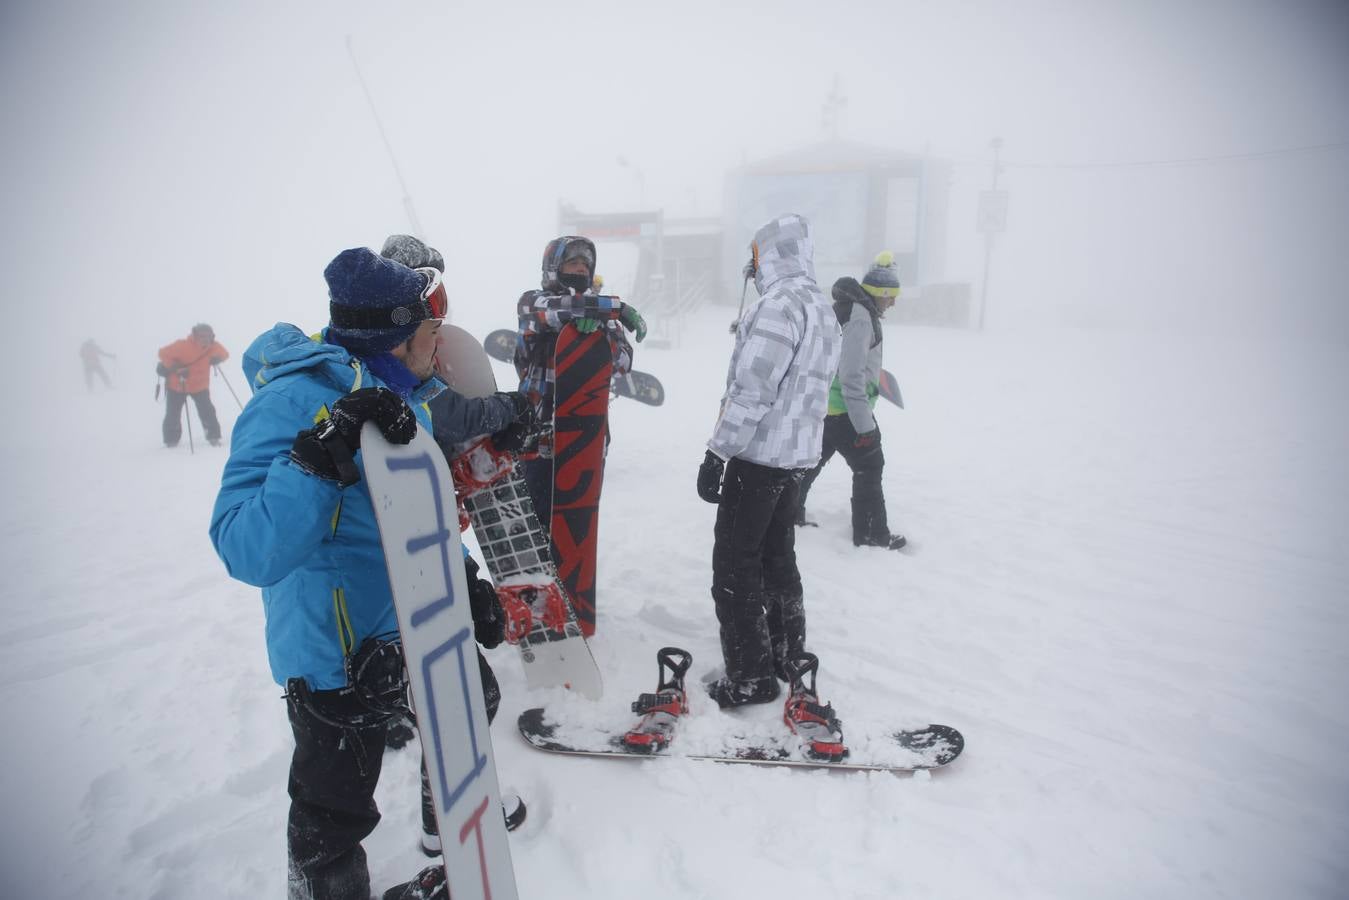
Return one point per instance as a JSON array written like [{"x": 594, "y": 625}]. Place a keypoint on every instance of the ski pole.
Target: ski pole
[
  {"x": 221, "y": 372},
  {"x": 187, "y": 415}
]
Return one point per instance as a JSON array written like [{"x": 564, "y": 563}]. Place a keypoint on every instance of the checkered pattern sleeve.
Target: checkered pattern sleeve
[
  {"x": 550, "y": 312},
  {"x": 768, "y": 340}
]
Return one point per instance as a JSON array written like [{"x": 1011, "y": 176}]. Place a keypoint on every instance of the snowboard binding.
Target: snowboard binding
[
  {"x": 526, "y": 605},
  {"x": 661, "y": 711},
  {"x": 818, "y": 726}
]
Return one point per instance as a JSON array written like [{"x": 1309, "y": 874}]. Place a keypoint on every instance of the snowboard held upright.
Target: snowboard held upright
[
  {"x": 582, "y": 367},
  {"x": 514, "y": 544},
  {"x": 413, "y": 498}
]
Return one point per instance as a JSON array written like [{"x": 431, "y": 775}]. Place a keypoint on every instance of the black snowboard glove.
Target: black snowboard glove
[
  {"x": 519, "y": 404},
  {"x": 709, "y": 477},
  {"x": 868, "y": 440},
  {"x": 489, "y": 622},
  {"x": 522, "y": 435},
  {"x": 328, "y": 449}
]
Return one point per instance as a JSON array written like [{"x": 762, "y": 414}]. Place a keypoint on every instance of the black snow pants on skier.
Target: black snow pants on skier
[
  {"x": 869, "y": 522},
  {"x": 756, "y": 586}
]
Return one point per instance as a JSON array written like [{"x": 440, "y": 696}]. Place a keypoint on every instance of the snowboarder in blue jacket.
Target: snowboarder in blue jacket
[{"x": 294, "y": 517}]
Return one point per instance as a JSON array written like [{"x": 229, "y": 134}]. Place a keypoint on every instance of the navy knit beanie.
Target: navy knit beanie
[{"x": 372, "y": 301}]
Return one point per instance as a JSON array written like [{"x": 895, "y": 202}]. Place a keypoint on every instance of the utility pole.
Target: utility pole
[
  {"x": 397, "y": 171},
  {"x": 992, "y": 220}
]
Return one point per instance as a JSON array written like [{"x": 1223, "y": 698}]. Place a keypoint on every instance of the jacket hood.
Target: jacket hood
[
  {"x": 559, "y": 250},
  {"x": 286, "y": 349},
  {"x": 849, "y": 290},
  {"x": 783, "y": 248}
]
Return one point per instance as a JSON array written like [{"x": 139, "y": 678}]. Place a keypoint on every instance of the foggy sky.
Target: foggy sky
[{"x": 166, "y": 163}]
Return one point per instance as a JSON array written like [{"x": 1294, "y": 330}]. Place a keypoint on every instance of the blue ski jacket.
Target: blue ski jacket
[{"x": 312, "y": 547}]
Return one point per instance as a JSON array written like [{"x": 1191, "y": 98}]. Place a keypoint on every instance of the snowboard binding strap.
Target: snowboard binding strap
[
  {"x": 661, "y": 711},
  {"x": 817, "y": 725}
]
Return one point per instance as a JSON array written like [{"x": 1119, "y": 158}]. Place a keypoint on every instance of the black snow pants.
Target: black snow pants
[
  {"x": 333, "y": 774},
  {"x": 174, "y": 401},
  {"x": 869, "y": 522},
  {"x": 756, "y": 586}
]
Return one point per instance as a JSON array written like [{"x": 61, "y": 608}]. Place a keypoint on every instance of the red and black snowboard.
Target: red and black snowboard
[{"x": 582, "y": 366}]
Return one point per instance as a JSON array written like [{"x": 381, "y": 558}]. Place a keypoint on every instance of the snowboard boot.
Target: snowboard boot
[
  {"x": 786, "y": 618},
  {"x": 747, "y": 649},
  {"x": 428, "y": 885},
  {"x": 887, "y": 540},
  {"x": 513, "y": 810},
  {"x": 661, "y": 711},
  {"x": 732, "y": 692},
  {"x": 399, "y": 734},
  {"x": 818, "y": 727}
]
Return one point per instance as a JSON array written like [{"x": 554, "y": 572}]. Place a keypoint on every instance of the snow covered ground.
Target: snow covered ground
[{"x": 1126, "y": 586}]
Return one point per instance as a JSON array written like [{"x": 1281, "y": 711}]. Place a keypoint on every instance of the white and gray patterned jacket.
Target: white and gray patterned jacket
[{"x": 786, "y": 353}]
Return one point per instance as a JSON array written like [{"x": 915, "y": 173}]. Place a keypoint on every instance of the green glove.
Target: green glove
[
  {"x": 586, "y": 326},
  {"x": 633, "y": 321}
]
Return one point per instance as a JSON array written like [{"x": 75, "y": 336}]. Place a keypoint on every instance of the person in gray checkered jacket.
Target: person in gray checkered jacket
[{"x": 767, "y": 437}]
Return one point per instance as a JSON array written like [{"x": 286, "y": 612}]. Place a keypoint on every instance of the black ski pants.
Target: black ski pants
[
  {"x": 756, "y": 586},
  {"x": 868, "y": 502},
  {"x": 333, "y": 774},
  {"x": 174, "y": 401}
]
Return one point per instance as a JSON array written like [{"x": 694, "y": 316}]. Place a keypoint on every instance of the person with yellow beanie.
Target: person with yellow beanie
[{"x": 850, "y": 428}]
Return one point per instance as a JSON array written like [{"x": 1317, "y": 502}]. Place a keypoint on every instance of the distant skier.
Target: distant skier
[
  {"x": 767, "y": 437},
  {"x": 294, "y": 517},
  {"x": 851, "y": 428},
  {"x": 567, "y": 297},
  {"x": 185, "y": 366},
  {"x": 91, "y": 355}
]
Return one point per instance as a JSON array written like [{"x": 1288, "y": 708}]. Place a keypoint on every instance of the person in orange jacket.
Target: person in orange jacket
[{"x": 186, "y": 368}]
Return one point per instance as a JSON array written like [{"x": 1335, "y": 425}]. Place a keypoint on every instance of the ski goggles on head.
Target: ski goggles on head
[{"x": 433, "y": 295}]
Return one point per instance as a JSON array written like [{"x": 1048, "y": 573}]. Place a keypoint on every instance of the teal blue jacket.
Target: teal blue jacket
[{"x": 311, "y": 546}]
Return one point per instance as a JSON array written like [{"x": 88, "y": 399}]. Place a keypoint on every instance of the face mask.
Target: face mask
[{"x": 577, "y": 282}]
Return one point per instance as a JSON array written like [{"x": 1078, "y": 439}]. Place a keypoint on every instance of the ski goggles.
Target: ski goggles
[{"x": 434, "y": 296}]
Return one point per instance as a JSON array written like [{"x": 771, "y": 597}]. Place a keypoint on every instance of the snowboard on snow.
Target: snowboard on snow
[
  {"x": 890, "y": 388},
  {"x": 886, "y": 751},
  {"x": 640, "y": 386},
  {"x": 582, "y": 368},
  {"x": 514, "y": 545},
  {"x": 413, "y": 498}
]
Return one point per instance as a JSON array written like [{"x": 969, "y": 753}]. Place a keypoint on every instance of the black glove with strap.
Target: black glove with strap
[
  {"x": 709, "y": 477},
  {"x": 489, "y": 622},
  {"x": 328, "y": 449},
  {"x": 523, "y": 432},
  {"x": 868, "y": 440}
]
